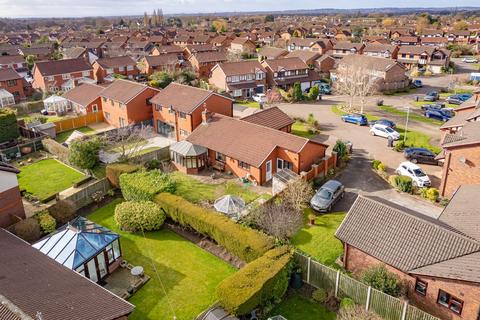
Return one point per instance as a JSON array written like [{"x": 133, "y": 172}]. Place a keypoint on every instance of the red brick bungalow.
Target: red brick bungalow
[
  {"x": 85, "y": 98},
  {"x": 436, "y": 259},
  {"x": 126, "y": 102},
  {"x": 177, "y": 109},
  {"x": 247, "y": 150},
  {"x": 11, "y": 206}
]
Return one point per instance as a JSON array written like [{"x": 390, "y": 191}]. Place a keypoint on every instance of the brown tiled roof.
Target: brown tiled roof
[
  {"x": 346, "y": 45},
  {"x": 457, "y": 121},
  {"x": 55, "y": 67},
  {"x": 375, "y": 47},
  {"x": 239, "y": 40},
  {"x": 416, "y": 49},
  {"x": 272, "y": 52},
  {"x": 470, "y": 134},
  {"x": 116, "y": 62},
  {"x": 272, "y": 117},
  {"x": 170, "y": 49},
  {"x": 434, "y": 40},
  {"x": 73, "y": 52},
  {"x": 305, "y": 55},
  {"x": 242, "y": 140},
  {"x": 210, "y": 56},
  {"x": 408, "y": 39},
  {"x": 84, "y": 93},
  {"x": 293, "y": 63},
  {"x": 163, "y": 59},
  {"x": 9, "y": 74},
  {"x": 35, "y": 283},
  {"x": 181, "y": 97},
  {"x": 123, "y": 90},
  {"x": 401, "y": 237},
  {"x": 241, "y": 67},
  {"x": 368, "y": 62},
  {"x": 11, "y": 59}
]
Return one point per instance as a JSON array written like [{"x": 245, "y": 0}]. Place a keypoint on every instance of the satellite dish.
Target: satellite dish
[{"x": 462, "y": 160}]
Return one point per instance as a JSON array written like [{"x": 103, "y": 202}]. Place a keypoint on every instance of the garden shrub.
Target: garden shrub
[
  {"x": 320, "y": 295},
  {"x": 28, "y": 229},
  {"x": 399, "y": 146},
  {"x": 143, "y": 186},
  {"x": 404, "y": 184},
  {"x": 357, "y": 313},
  {"x": 62, "y": 211},
  {"x": 313, "y": 93},
  {"x": 380, "y": 278},
  {"x": 114, "y": 170},
  {"x": 136, "y": 216},
  {"x": 340, "y": 148},
  {"x": 393, "y": 180},
  {"x": 375, "y": 164},
  {"x": 260, "y": 282},
  {"x": 243, "y": 242},
  {"x": 84, "y": 153},
  {"x": 8, "y": 125},
  {"x": 382, "y": 167},
  {"x": 46, "y": 221},
  {"x": 347, "y": 303},
  {"x": 431, "y": 194}
]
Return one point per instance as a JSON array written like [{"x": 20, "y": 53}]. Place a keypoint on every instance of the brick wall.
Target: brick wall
[
  {"x": 10, "y": 205},
  {"x": 358, "y": 261}
]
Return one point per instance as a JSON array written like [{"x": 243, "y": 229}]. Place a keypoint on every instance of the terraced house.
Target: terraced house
[{"x": 436, "y": 259}]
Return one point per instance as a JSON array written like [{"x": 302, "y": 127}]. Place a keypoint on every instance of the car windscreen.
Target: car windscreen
[
  {"x": 418, "y": 173},
  {"x": 389, "y": 130},
  {"x": 324, "y": 194}
]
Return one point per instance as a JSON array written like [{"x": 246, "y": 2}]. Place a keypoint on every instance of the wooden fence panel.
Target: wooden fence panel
[
  {"x": 322, "y": 276},
  {"x": 414, "y": 313},
  {"x": 388, "y": 307},
  {"x": 78, "y": 122},
  {"x": 83, "y": 196},
  {"x": 351, "y": 288}
]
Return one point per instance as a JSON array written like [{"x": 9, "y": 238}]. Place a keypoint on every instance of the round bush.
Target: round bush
[
  {"x": 381, "y": 167},
  {"x": 431, "y": 194},
  {"x": 347, "y": 303},
  {"x": 404, "y": 183},
  {"x": 28, "y": 229},
  {"x": 47, "y": 222},
  {"x": 393, "y": 180},
  {"x": 136, "y": 216},
  {"x": 320, "y": 295},
  {"x": 62, "y": 211},
  {"x": 375, "y": 164}
]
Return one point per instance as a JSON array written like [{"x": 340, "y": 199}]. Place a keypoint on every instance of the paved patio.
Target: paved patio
[{"x": 123, "y": 284}]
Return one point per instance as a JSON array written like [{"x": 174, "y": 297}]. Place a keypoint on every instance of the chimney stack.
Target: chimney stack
[{"x": 206, "y": 115}]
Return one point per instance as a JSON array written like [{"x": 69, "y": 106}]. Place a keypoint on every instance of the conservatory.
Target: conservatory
[
  {"x": 85, "y": 247},
  {"x": 57, "y": 105},
  {"x": 6, "y": 98},
  {"x": 188, "y": 157}
]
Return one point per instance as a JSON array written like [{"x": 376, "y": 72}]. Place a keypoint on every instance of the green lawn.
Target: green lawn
[
  {"x": 301, "y": 129},
  {"x": 421, "y": 103},
  {"x": 188, "y": 273},
  {"x": 248, "y": 103},
  {"x": 63, "y": 136},
  {"x": 49, "y": 118},
  {"x": 296, "y": 307},
  {"x": 417, "y": 139},
  {"x": 196, "y": 191},
  {"x": 319, "y": 240},
  {"x": 337, "y": 111},
  {"x": 47, "y": 177},
  {"x": 412, "y": 116}
]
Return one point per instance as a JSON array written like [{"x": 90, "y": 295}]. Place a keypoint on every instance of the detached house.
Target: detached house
[
  {"x": 343, "y": 48},
  {"x": 11, "y": 205},
  {"x": 284, "y": 73},
  {"x": 240, "y": 79},
  {"x": 104, "y": 69},
  {"x": 13, "y": 83},
  {"x": 52, "y": 76},
  {"x": 436, "y": 259},
  {"x": 248, "y": 150},
  {"x": 203, "y": 62},
  {"x": 165, "y": 62},
  {"x": 125, "y": 103},
  {"x": 424, "y": 56},
  {"x": 85, "y": 98},
  {"x": 243, "y": 45},
  {"x": 389, "y": 51},
  {"x": 16, "y": 62},
  {"x": 268, "y": 53},
  {"x": 177, "y": 109}
]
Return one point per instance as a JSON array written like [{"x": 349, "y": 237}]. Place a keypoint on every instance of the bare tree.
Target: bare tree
[
  {"x": 278, "y": 220},
  {"x": 357, "y": 313},
  {"x": 297, "y": 194},
  {"x": 129, "y": 141},
  {"x": 357, "y": 82}
]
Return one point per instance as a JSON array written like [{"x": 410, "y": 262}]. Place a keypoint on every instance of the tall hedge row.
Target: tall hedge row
[
  {"x": 245, "y": 243},
  {"x": 259, "y": 282},
  {"x": 143, "y": 186},
  {"x": 8, "y": 125},
  {"x": 115, "y": 170}
]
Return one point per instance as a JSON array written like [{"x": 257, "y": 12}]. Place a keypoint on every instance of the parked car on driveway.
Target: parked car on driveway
[
  {"x": 437, "y": 105},
  {"x": 417, "y": 83},
  {"x": 470, "y": 60},
  {"x": 327, "y": 196},
  {"x": 385, "y": 122},
  {"x": 419, "y": 178},
  {"x": 384, "y": 131},
  {"x": 420, "y": 155},
  {"x": 431, "y": 96},
  {"x": 259, "y": 97},
  {"x": 458, "y": 98},
  {"x": 356, "y": 118},
  {"x": 438, "y": 114}
]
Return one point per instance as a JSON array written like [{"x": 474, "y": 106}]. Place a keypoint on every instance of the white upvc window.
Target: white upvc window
[
  {"x": 109, "y": 71},
  {"x": 259, "y": 75},
  {"x": 66, "y": 76},
  {"x": 49, "y": 78},
  {"x": 120, "y": 69},
  {"x": 85, "y": 73},
  {"x": 129, "y": 68},
  {"x": 237, "y": 93}
]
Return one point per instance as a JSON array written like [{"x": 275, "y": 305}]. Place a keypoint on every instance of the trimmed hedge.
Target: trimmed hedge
[
  {"x": 143, "y": 186},
  {"x": 136, "y": 216},
  {"x": 245, "y": 243},
  {"x": 262, "y": 281},
  {"x": 114, "y": 170},
  {"x": 404, "y": 183},
  {"x": 8, "y": 125}
]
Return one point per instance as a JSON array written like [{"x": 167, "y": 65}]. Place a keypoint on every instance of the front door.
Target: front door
[
  {"x": 268, "y": 171},
  {"x": 279, "y": 164}
]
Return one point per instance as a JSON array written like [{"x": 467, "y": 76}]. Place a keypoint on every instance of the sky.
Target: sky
[{"x": 82, "y": 8}]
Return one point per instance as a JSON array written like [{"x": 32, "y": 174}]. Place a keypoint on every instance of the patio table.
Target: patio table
[{"x": 137, "y": 271}]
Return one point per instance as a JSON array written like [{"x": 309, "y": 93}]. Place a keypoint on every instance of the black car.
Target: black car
[{"x": 420, "y": 155}]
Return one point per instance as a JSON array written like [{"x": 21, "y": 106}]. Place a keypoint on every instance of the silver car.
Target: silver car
[{"x": 327, "y": 196}]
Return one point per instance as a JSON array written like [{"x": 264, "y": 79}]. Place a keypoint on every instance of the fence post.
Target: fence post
[
  {"x": 369, "y": 295},
  {"x": 337, "y": 283},
  {"x": 404, "y": 311},
  {"x": 308, "y": 269}
]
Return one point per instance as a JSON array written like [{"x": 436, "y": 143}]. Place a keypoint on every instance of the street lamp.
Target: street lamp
[{"x": 406, "y": 126}]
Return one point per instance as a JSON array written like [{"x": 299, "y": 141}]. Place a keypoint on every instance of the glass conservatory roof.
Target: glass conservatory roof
[{"x": 76, "y": 242}]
